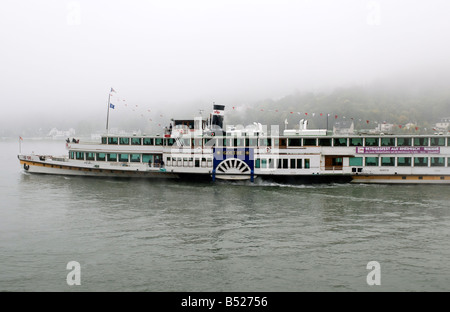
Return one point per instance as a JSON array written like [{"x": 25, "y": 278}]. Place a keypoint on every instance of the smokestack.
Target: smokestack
[{"x": 217, "y": 115}]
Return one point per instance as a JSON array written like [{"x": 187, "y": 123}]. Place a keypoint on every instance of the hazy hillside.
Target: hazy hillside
[{"x": 365, "y": 106}]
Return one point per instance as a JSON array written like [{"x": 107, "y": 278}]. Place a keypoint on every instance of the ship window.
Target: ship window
[
  {"x": 285, "y": 163},
  {"x": 292, "y": 163},
  {"x": 90, "y": 156},
  {"x": 371, "y": 161},
  {"x": 307, "y": 163},
  {"x": 124, "y": 141},
  {"x": 309, "y": 142},
  {"x": 388, "y": 161},
  {"x": 147, "y": 158},
  {"x": 104, "y": 140},
  {"x": 198, "y": 142},
  {"x": 197, "y": 162},
  {"x": 356, "y": 142},
  {"x": 404, "y": 161},
  {"x": 170, "y": 142},
  {"x": 136, "y": 141},
  {"x": 420, "y": 161},
  {"x": 420, "y": 141},
  {"x": 123, "y": 157},
  {"x": 239, "y": 142},
  {"x": 148, "y": 141},
  {"x": 340, "y": 142},
  {"x": 324, "y": 142},
  {"x": 101, "y": 156},
  {"x": 71, "y": 155},
  {"x": 158, "y": 141},
  {"x": 282, "y": 143},
  {"x": 355, "y": 161},
  {"x": 209, "y": 162},
  {"x": 403, "y": 141},
  {"x": 112, "y": 157},
  {"x": 185, "y": 142},
  {"x": 448, "y": 162},
  {"x": 135, "y": 158},
  {"x": 337, "y": 161},
  {"x": 437, "y": 141},
  {"x": 265, "y": 142},
  {"x": 252, "y": 142},
  {"x": 299, "y": 163},
  {"x": 263, "y": 163},
  {"x": 79, "y": 155},
  {"x": 257, "y": 163},
  {"x": 371, "y": 141},
  {"x": 271, "y": 163},
  {"x": 112, "y": 140},
  {"x": 387, "y": 141},
  {"x": 437, "y": 161},
  {"x": 295, "y": 142},
  {"x": 209, "y": 142}
]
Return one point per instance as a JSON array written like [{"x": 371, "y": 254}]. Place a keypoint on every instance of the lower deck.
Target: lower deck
[{"x": 37, "y": 165}]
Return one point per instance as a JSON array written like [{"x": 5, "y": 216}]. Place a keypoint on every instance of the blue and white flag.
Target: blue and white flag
[{"x": 111, "y": 105}]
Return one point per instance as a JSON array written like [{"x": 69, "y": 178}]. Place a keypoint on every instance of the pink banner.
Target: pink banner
[{"x": 398, "y": 150}]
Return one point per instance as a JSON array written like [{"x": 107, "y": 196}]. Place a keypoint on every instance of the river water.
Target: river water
[{"x": 166, "y": 236}]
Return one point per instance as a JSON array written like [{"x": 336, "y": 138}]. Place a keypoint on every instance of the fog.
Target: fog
[{"x": 59, "y": 59}]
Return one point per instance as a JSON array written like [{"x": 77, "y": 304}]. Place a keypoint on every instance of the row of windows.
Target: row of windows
[
  {"x": 132, "y": 141},
  {"x": 115, "y": 157},
  {"x": 283, "y": 163},
  {"x": 189, "y": 162},
  {"x": 400, "y": 161},
  {"x": 279, "y": 142},
  {"x": 185, "y": 161},
  {"x": 418, "y": 141}
]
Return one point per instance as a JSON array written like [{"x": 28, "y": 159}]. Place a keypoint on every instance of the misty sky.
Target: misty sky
[{"x": 63, "y": 56}]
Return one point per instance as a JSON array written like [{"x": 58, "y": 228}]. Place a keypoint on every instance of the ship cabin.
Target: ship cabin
[{"x": 336, "y": 152}]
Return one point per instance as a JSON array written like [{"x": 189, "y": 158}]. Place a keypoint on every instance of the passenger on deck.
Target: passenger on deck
[
  {"x": 68, "y": 140},
  {"x": 74, "y": 141}
]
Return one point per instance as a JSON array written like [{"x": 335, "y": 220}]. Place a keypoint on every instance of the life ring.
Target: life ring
[{"x": 26, "y": 167}]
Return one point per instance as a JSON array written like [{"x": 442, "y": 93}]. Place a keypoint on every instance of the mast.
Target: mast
[
  {"x": 107, "y": 116},
  {"x": 109, "y": 105}
]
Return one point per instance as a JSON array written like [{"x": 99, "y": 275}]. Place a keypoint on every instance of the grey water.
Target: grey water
[{"x": 165, "y": 236}]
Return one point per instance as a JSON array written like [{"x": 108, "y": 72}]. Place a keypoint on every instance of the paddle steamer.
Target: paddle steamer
[{"x": 202, "y": 149}]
